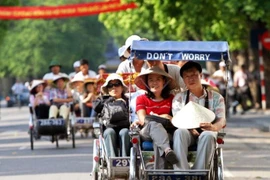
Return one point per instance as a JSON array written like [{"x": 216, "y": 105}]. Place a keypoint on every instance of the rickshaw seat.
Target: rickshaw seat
[{"x": 148, "y": 146}]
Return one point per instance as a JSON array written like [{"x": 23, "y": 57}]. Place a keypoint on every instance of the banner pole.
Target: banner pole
[{"x": 261, "y": 63}]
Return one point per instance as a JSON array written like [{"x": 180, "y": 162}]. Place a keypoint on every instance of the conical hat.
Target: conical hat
[
  {"x": 35, "y": 83},
  {"x": 140, "y": 80},
  {"x": 191, "y": 115}
]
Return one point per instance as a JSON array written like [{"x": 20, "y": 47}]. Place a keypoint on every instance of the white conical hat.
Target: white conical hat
[
  {"x": 191, "y": 115},
  {"x": 35, "y": 83}
]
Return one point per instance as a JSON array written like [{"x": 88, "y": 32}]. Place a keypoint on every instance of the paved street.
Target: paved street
[
  {"x": 18, "y": 162},
  {"x": 246, "y": 150}
]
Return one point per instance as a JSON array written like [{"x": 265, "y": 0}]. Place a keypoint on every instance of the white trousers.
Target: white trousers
[{"x": 62, "y": 111}]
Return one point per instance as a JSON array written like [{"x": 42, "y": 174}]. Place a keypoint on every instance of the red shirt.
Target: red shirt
[{"x": 158, "y": 107}]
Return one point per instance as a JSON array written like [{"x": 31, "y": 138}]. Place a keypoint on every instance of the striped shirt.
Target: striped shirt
[
  {"x": 216, "y": 102},
  {"x": 56, "y": 93}
]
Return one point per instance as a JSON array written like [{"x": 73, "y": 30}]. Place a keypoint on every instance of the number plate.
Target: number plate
[
  {"x": 50, "y": 122},
  {"x": 176, "y": 177},
  {"x": 120, "y": 162},
  {"x": 84, "y": 121}
]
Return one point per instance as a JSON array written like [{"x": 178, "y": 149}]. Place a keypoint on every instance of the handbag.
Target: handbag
[{"x": 165, "y": 122}]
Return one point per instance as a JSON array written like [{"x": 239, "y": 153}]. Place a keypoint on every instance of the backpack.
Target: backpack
[{"x": 115, "y": 113}]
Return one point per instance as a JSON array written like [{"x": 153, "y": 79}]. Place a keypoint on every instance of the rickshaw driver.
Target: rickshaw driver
[
  {"x": 191, "y": 73},
  {"x": 172, "y": 70}
]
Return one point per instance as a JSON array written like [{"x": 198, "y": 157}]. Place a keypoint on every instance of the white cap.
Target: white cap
[
  {"x": 121, "y": 51},
  {"x": 191, "y": 115},
  {"x": 76, "y": 64},
  {"x": 222, "y": 64},
  {"x": 102, "y": 66},
  {"x": 128, "y": 43}
]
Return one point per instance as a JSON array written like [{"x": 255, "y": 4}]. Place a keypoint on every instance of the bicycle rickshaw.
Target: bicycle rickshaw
[
  {"x": 140, "y": 163},
  {"x": 56, "y": 128}
]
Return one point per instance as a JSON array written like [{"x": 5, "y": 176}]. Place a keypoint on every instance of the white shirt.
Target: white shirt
[
  {"x": 174, "y": 72},
  {"x": 91, "y": 74},
  {"x": 133, "y": 97},
  {"x": 127, "y": 67},
  {"x": 17, "y": 88},
  {"x": 50, "y": 76},
  {"x": 71, "y": 75}
]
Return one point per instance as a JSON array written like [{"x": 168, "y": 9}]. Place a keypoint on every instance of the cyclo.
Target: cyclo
[
  {"x": 141, "y": 155},
  {"x": 56, "y": 128}
]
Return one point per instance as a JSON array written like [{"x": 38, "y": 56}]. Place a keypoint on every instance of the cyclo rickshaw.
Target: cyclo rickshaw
[
  {"x": 140, "y": 163},
  {"x": 56, "y": 128}
]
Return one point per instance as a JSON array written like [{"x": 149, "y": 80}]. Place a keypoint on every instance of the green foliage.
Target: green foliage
[
  {"x": 29, "y": 45},
  {"x": 229, "y": 20}
]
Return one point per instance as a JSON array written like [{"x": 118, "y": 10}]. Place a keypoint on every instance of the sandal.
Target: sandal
[{"x": 171, "y": 157}]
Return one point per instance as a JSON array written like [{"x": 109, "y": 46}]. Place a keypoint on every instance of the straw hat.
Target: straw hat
[
  {"x": 141, "y": 83},
  {"x": 111, "y": 77},
  {"x": 35, "y": 83},
  {"x": 191, "y": 115}
]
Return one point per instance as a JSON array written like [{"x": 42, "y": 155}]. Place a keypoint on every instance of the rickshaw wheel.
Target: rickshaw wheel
[
  {"x": 32, "y": 138},
  {"x": 133, "y": 171},
  {"x": 56, "y": 140},
  {"x": 73, "y": 137}
]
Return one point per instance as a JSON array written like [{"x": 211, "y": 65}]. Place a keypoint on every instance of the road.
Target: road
[
  {"x": 246, "y": 151},
  {"x": 19, "y": 162}
]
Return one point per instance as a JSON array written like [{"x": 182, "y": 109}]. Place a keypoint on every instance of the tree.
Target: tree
[
  {"x": 29, "y": 45},
  {"x": 229, "y": 20}
]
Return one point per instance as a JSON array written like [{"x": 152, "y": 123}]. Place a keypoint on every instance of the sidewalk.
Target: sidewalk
[{"x": 253, "y": 117}]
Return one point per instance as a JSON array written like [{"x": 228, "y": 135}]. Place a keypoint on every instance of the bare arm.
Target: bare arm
[{"x": 217, "y": 126}]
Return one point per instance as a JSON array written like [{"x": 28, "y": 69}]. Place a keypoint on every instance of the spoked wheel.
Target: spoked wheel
[
  {"x": 56, "y": 140},
  {"x": 31, "y": 131},
  {"x": 73, "y": 136},
  {"x": 220, "y": 164},
  {"x": 133, "y": 170}
]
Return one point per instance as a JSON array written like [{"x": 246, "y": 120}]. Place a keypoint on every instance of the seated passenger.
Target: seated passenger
[
  {"x": 114, "y": 113},
  {"x": 60, "y": 97},
  {"x": 90, "y": 94},
  {"x": 39, "y": 101},
  {"x": 157, "y": 101},
  {"x": 77, "y": 91},
  {"x": 206, "y": 135}
]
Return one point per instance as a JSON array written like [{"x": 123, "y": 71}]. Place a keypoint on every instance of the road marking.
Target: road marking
[
  {"x": 227, "y": 173},
  {"x": 22, "y": 147}
]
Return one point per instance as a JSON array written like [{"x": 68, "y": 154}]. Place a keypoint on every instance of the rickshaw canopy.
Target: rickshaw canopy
[{"x": 181, "y": 50}]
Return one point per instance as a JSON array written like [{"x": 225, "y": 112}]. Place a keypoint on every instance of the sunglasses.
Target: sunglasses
[{"x": 117, "y": 84}]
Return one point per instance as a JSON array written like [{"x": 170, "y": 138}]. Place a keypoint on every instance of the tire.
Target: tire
[
  {"x": 133, "y": 164},
  {"x": 73, "y": 137},
  {"x": 56, "y": 140},
  {"x": 32, "y": 138},
  {"x": 220, "y": 171}
]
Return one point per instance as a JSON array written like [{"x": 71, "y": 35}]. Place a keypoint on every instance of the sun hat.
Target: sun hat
[
  {"x": 76, "y": 79},
  {"x": 35, "y": 83},
  {"x": 191, "y": 115},
  {"x": 122, "y": 52},
  {"x": 189, "y": 65},
  {"x": 76, "y": 64},
  {"x": 61, "y": 76},
  {"x": 111, "y": 77},
  {"x": 128, "y": 43},
  {"x": 102, "y": 66},
  {"x": 54, "y": 62},
  {"x": 222, "y": 64},
  {"x": 141, "y": 83}
]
